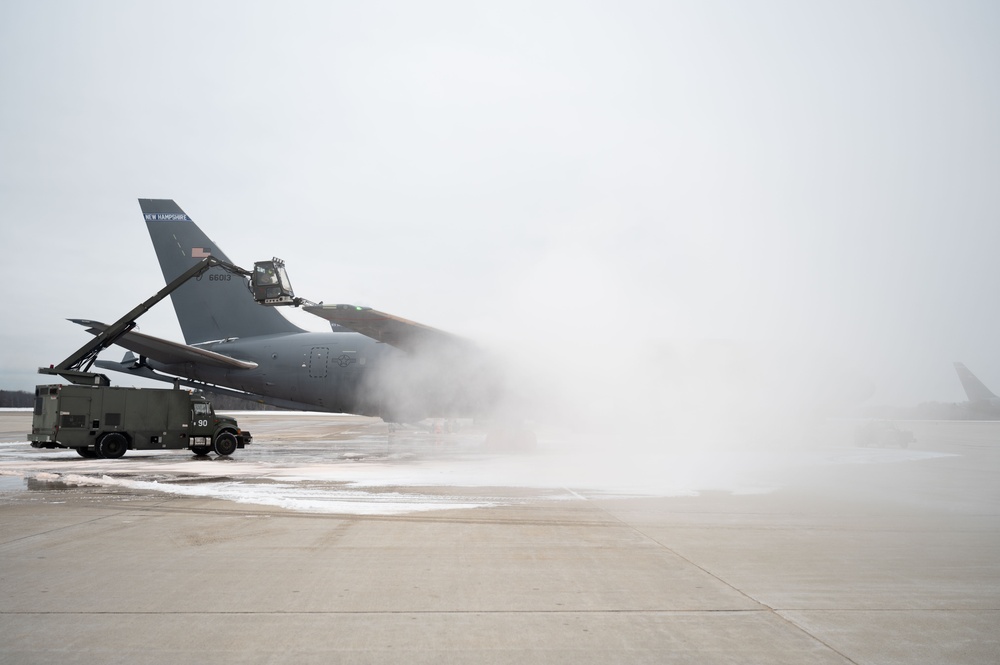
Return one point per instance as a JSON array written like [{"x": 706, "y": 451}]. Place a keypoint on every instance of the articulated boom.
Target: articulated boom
[{"x": 76, "y": 368}]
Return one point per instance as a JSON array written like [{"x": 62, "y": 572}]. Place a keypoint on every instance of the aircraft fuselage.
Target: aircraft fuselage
[{"x": 342, "y": 372}]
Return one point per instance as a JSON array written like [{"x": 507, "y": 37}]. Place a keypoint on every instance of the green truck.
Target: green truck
[
  {"x": 105, "y": 421},
  {"x": 99, "y": 420}
]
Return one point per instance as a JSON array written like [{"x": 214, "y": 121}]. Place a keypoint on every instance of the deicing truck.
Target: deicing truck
[
  {"x": 99, "y": 420},
  {"x": 104, "y": 421}
]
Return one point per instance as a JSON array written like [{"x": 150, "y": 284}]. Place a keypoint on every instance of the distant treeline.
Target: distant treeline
[
  {"x": 14, "y": 399},
  {"x": 927, "y": 411}
]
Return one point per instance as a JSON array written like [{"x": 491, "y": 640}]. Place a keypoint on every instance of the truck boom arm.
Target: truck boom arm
[{"x": 75, "y": 368}]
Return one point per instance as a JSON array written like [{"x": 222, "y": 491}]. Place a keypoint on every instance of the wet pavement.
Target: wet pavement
[
  {"x": 351, "y": 464},
  {"x": 332, "y": 539}
]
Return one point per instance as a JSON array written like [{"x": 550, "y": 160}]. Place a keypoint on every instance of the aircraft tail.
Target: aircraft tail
[
  {"x": 975, "y": 390},
  {"x": 217, "y": 305}
]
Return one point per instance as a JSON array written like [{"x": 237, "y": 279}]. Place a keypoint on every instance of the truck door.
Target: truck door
[{"x": 201, "y": 419}]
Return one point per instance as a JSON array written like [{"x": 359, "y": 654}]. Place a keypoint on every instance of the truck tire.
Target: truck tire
[
  {"x": 86, "y": 452},
  {"x": 225, "y": 443},
  {"x": 112, "y": 445},
  {"x": 201, "y": 450}
]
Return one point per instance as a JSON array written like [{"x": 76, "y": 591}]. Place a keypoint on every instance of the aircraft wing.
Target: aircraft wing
[
  {"x": 382, "y": 327},
  {"x": 167, "y": 352}
]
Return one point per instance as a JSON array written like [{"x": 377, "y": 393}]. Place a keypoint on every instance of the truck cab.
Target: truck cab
[{"x": 212, "y": 432}]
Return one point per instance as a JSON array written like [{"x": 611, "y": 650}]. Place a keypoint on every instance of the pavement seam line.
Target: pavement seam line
[{"x": 767, "y": 608}]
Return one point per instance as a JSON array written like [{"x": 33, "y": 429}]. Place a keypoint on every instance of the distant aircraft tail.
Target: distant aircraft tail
[
  {"x": 217, "y": 305},
  {"x": 974, "y": 388}
]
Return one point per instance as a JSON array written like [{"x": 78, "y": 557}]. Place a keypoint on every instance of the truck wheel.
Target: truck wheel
[
  {"x": 225, "y": 443},
  {"x": 88, "y": 453},
  {"x": 112, "y": 445},
  {"x": 201, "y": 450}
]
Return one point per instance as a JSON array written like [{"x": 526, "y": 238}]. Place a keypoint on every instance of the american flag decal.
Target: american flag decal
[{"x": 200, "y": 252}]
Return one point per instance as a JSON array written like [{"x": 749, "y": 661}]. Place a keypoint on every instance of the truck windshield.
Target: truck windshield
[
  {"x": 283, "y": 278},
  {"x": 265, "y": 275}
]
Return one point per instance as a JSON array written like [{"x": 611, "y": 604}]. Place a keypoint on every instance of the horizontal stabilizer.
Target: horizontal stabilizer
[
  {"x": 167, "y": 352},
  {"x": 382, "y": 327}
]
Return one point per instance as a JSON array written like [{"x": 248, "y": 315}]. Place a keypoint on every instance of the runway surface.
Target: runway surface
[
  {"x": 350, "y": 464},
  {"x": 331, "y": 539}
]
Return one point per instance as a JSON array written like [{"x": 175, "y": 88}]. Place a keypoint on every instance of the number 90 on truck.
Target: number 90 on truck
[{"x": 105, "y": 421}]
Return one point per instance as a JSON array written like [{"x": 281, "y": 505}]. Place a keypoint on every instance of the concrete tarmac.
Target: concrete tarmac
[{"x": 892, "y": 561}]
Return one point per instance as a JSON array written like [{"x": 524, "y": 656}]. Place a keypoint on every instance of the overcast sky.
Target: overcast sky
[{"x": 817, "y": 174}]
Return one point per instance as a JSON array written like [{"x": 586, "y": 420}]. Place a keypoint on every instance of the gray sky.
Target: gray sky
[{"x": 822, "y": 175}]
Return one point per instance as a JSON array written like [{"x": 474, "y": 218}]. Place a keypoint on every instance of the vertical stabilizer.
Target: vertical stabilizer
[
  {"x": 218, "y": 305},
  {"x": 974, "y": 388}
]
